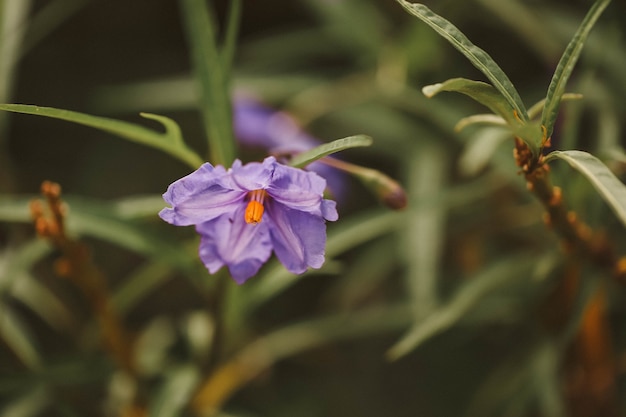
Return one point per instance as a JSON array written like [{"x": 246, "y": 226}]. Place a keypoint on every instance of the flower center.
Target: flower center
[{"x": 254, "y": 210}]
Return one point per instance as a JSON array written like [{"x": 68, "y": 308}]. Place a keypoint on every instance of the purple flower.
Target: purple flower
[
  {"x": 244, "y": 213},
  {"x": 258, "y": 125}
]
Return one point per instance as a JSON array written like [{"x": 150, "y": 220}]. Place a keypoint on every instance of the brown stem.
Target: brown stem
[
  {"x": 578, "y": 238},
  {"x": 591, "y": 375},
  {"x": 76, "y": 264}
]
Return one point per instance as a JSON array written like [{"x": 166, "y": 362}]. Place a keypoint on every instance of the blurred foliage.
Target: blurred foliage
[{"x": 464, "y": 304}]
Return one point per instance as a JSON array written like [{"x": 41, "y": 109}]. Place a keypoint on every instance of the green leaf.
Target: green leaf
[
  {"x": 33, "y": 402},
  {"x": 43, "y": 301},
  {"x": 169, "y": 142},
  {"x": 305, "y": 158},
  {"x": 478, "y": 57},
  {"x": 482, "y": 92},
  {"x": 212, "y": 79},
  {"x": 137, "y": 207},
  {"x": 425, "y": 228},
  {"x": 261, "y": 354},
  {"x": 128, "y": 235},
  {"x": 19, "y": 337},
  {"x": 148, "y": 277},
  {"x": 488, "y": 96},
  {"x": 612, "y": 190},
  {"x": 99, "y": 219},
  {"x": 536, "y": 109},
  {"x": 480, "y": 149},
  {"x": 480, "y": 119},
  {"x": 232, "y": 30},
  {"x": 176, "y": 391},
  {"x": 342, "y": 237},
  {"x": 172, "y": 130},
  {"x": 17, "y": 281},
  {"x": 462, "y": 303},
  {"x": 14, "y": 262},
  {"x": 566, "y": 66}
]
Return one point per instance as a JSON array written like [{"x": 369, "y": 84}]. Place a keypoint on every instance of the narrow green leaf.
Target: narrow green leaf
[
  {"x": 357, "y": 230},
  {"x": 295, "y": 338},
  {"x": 566, "y": 66},
  {"x": 547, "y": 379},
  {"x": 612, "y": 190},
  {"x": 482, "y": 92},
  {"x": 478, "y": 57},
  {"x": 15, "y": 20},
  {"x": 14, "y": 208},
  {"x": 212, "y": 79},
  {"x": 169, "y": 142},
  {"x": 175, "y": 392},
  {"x": 17, "y": 281},
  {"x": 147, "y": 278},
  {"x": 100, "y": 220},
  {"x": 536, "y": 109},
  {"x": 172, "y": 130},
  {"x": 45, "y": 20},
  {"x": 137, "y": 207},
  {"x": 13, "y": 262},
  {"x": 423, "y": 235},
  {"x": 508, "y": 386},
  {"x": 312, "y": 155},
  {"x": 480, "y": 149},
  {"x": 466, "y": 299},
  {"x": 367, "y": 273},
  {"x": 44, "y": 302},
  {"x": 33, "y": 402},
  {"x": 128, "y": 235},
  {"x": 480, "y": 119},
  {"x": 232, "y": 30},
  {"x": 19, "y": 337},
  {"x": 488, "y": 96},
  {"x": 344, "y": 236},
  {"x": 262, "y": 353}
]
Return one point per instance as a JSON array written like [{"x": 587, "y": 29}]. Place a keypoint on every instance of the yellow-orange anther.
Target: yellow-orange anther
[{"x": 254, "y": 211}]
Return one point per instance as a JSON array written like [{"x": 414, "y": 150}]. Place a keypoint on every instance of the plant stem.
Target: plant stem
[
  {"x": 76, "y": 264},
  {"x": 578, "y": 238}
]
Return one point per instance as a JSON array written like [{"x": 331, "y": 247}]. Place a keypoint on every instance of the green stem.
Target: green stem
[
  {"x": 212, "y": 79},
  {"x": 230, "y": 39},
  {"x": 386, "y": 189}
]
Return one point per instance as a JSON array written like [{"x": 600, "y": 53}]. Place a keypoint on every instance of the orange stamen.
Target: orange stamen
[{"x": 254, "y": 210}]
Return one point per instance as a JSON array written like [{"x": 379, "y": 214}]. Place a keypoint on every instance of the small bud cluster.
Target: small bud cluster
[{"x": 49, "y": 220}]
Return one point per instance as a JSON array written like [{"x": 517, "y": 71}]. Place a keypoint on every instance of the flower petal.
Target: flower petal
[
  {"x": 229, "y": 240},
  {"x": 258, "y": 125},
  {"x": 254, "y": 175},
  {"x": 297, "y": 189},
  {"x": 329, "y": 210},
  {"x": 335, "y": 179},
  {"x": 298, "y": 237},
  {"x": 201, "y": 196}
]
